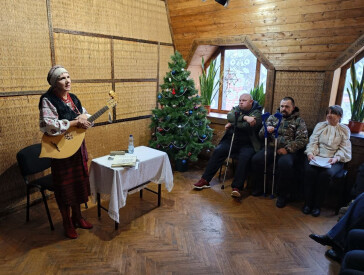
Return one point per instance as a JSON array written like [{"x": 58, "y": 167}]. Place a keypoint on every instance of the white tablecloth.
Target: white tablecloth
[{"x": 153, "y": 166}]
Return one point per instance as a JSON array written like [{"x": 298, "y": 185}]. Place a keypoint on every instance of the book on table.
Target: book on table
[{"x": 126, "y": 160}]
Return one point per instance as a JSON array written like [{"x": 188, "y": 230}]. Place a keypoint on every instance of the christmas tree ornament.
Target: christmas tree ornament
[
  {"x": 173, "y": 72},
  {"x": 204, "y": 136},
  {"x": 189, "y": 153},
  {"x": 174, "y": 106},
  {"x": 171, "y": 146},
  {"x": 182, "y": 69},
  {"x": 181, "y": 90},
  {"x": 170, "y": 79},
  {"x": 190, "y": 112},
  {"x": 184, "y": 161},
  {"x": 159, "y": 96}
]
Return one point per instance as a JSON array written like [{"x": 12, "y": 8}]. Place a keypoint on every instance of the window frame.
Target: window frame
[
  {"x": 342, "y": 79},
  {"x": 221, "y": 50}
]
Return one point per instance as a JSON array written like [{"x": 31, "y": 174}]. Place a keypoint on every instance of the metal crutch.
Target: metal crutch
[
  {"x": 279, "y": 117},
  {"x": 264, "y": 118},
  {"x": 231, "y": 145}
]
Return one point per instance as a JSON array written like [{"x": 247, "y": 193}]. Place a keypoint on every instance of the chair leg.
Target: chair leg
[
  {"x": 220, "y": 173},
  {"x": 47, "y": 209},
  {"x": 27, "y": 215}
]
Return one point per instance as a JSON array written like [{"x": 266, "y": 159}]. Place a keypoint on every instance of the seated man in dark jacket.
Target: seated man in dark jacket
[
  {"x": 337, "y": 237},
  {"x": 248, "y": 119}
]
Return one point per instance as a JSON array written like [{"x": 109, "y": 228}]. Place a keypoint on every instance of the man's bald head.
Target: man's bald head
[{"x": 245, "y": 102}]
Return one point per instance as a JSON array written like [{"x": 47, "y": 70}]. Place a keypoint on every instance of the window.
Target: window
[
  {"x": 345, "y": 76},
  {"x": 241, "y": 73}
]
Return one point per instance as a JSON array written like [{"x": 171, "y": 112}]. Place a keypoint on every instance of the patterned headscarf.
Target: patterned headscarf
[{"x": 54, "y": 73}]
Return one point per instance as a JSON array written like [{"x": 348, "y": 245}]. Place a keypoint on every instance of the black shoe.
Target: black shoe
[
  {"x": 281, "y": 202},
  {"x": 322, "y": 239},
  {"x": 306, "y": 210},
  {"x": 316, "y": 212},
  {"x": 257, "y": 193},
  {"x": 334, "y": 255}
]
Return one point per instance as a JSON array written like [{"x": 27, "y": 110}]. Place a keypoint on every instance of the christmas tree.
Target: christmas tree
[{"x": 179, "y": 123}]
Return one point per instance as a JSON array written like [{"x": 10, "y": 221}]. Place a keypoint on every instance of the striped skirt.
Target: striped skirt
[{"x": 71, "y": 179}]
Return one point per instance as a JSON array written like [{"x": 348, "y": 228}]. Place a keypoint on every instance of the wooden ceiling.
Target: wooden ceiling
[{"x": 293, "y": 35}]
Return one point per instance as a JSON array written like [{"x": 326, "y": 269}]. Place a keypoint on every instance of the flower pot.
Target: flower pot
[
  {"x": 355, "y": 126},
  {"x": 181, "y": 165},
  {"x": 208, "y": 108}
]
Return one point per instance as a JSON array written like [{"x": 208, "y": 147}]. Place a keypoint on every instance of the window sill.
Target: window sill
[{"x": 217, "y": 118}]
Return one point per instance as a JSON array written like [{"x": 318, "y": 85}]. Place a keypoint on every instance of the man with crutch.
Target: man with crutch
[
  {"x": 291, "y": 137},
  {"x": 247, "y": 117}
]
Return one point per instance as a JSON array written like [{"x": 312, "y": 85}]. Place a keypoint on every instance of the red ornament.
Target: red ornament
[
  {"x": 173, "y": 91},
  {"x": 189, "y": 153},
  {"x": 160, "y": 129}
]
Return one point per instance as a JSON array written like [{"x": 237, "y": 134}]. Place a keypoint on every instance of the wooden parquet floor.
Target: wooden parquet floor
[{"x": 193, "y": 232}]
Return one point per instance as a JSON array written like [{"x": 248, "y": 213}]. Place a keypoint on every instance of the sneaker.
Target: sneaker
[
  {"x": 202, "y": 183},
  {"x": 306, "y": 209},
  {"x": 236, "y": 193},
  {"x": 281, "y": 202}
]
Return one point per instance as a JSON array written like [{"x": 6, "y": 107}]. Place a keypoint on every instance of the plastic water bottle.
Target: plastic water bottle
[{"x": 131, "y": 145}]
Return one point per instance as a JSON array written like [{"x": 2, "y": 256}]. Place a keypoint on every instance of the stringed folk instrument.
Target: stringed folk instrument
[{"x": 65, "y": 145}]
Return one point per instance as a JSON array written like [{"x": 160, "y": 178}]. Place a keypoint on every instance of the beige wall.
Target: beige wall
[{"x": 120, "y": 45}]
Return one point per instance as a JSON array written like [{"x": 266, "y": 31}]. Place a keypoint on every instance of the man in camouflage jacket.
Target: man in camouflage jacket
[{"x": 292, "y": 136}]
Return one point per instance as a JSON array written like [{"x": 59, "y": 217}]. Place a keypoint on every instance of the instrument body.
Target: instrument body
[{"x": 65, "y": 145}]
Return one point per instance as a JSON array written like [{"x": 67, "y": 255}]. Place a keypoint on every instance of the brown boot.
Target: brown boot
[
  {"x": 69, "y": 230},
  {"x": 78, "y": 220}
]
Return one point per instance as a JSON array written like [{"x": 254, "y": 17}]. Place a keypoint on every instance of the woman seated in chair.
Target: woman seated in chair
[
  {"x": 330, "y": 139},
  {"x": 59, "y": 110}
]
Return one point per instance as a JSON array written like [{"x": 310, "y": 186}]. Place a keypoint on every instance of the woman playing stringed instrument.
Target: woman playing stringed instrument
[{"x": 60, "y": 110}]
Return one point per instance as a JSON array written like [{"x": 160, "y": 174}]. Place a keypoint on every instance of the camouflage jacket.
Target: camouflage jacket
[{"x": 292, "y": 133}]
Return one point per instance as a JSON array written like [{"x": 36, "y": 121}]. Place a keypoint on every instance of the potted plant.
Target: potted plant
[
  {"x": 258, "y": 95},
  {"x": 209, "y": 87},
  {"x": 356, "y": 97}
]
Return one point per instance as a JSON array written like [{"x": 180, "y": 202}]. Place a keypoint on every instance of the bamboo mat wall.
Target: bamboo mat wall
[
  {"x": 122, "y": 45},
  {"x": 305, "y": 88}
]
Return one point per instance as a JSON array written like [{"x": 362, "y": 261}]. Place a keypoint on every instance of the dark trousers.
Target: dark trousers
[
  {"x": 353, "y": 219},
  {"x": 220, "y": 154},
  {"x": 316, "y": 182},
  {"x": 284, "y": 170},
  {"x": 353, "y": 262}
]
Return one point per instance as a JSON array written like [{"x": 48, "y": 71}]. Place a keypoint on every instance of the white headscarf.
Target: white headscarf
[{"x": 54, "y": 73}]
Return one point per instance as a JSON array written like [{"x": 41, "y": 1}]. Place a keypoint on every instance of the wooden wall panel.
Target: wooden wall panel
[
  {"x": 311, "y": 34},
  {"x": 305, "y": 88},
  {"x": 135, "y": 60},
  {"x": 143, "y": 19},
  {"x": 164, "y": 57},
  {"x": 84, "y": 57},
  {"x": 136, "y": 99},
  {"x": 24, "y": 46},
  {"x": 85, "y": 37},
  {"x": 103, "y": 139},
  {"x": 93, "y": 97}
]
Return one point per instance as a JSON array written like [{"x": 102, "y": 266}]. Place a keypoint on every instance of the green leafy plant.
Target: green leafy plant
[
  {"x": 258, "y": 94},
  {"x": 208, "y": 85},
  {"x": 356, "y": 95}
]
